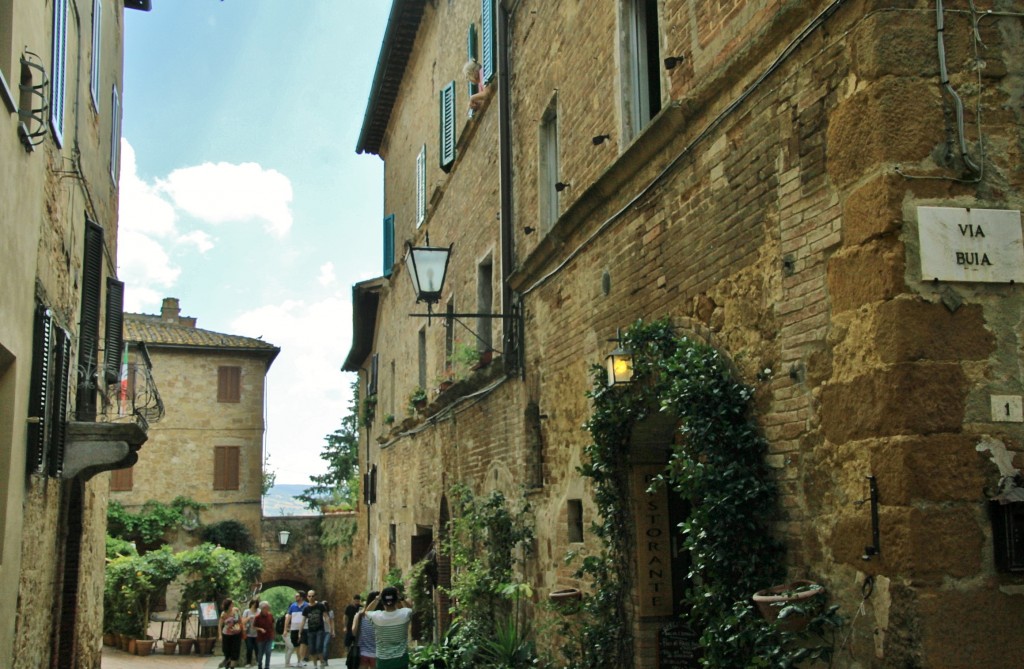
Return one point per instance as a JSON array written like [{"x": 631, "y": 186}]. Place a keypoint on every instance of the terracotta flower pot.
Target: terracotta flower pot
[
  {"x": 771, "y": 601},
  {"x": 144, "y": 647},
  {"x": 185, "y": 646},
  {"x": 170, "y": 645},
  {"x": 566, "y": 599},
  {"x": 109, "y": 639}
]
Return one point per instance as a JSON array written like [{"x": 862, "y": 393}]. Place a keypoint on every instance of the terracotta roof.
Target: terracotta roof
[{"x": 156, "y": 332}]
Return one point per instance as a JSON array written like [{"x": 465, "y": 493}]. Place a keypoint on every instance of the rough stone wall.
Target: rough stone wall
[
  {"x": 178, "y": 459},
  {"x": 780, "y": 224},
  {"x": 45, "y": 197}
]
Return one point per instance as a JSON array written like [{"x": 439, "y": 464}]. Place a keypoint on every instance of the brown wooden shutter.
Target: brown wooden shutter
[
  {"x": 229, "y": 384},
  {"x": 226, "y": 468},
  {"x": 59, "y": 403},
  {"x": 122, "y": 479}
]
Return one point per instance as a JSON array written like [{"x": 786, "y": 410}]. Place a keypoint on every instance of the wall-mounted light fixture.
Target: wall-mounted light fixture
[
  {"x": 619, "y": 363},
  {"x": 282, "y": 538},
  {"x": 600, "y": 139},
  {"x": 672, "y": 61},
  {"x": 428, "y": 266},
  {"x": 561, "y": 185},
  {"x": 528, "y": 230}
]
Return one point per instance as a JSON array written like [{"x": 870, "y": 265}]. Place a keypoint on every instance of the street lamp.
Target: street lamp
[
  {"x": 619, "y": 363},
  {"x": 282, "y": 538},
  {"x": 427, "y": 267}
]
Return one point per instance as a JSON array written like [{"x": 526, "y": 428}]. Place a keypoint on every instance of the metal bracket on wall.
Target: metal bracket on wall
[
  {"x": 875, "y": 547},
  {"x": 32, "y": 128}
]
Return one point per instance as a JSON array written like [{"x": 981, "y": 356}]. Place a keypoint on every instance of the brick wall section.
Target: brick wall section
[{"x": 786, "y": 237}]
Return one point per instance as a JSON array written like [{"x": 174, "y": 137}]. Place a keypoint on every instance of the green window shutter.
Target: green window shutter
[
  {"x": 471, "y": 54},
  {"x": 89, "y": 331},
  {"x": 447, "y": 149},
  {"x": 389, "y": 244},
  {"x": 487, "y": 39},
  {"x": 113, "y": 343},
  {"x": 58, "y": 77},
  {"x": 38, "y": 416}
]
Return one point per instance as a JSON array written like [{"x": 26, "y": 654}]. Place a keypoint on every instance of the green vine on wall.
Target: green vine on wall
[{"x": 717, "y": 465}]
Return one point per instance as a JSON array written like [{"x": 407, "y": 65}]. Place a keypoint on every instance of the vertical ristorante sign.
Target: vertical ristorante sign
[
  {"x": 978, "y": 245},
  {"x": 654, "y": 544}
]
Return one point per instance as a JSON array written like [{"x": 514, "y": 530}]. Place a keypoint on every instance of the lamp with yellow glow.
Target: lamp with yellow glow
[{"x": 620, "y": 364}]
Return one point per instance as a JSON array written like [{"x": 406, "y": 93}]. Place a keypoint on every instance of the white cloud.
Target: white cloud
[
  {"x": 141, "y": 208},
  {"x": 224, "y": 192},
  {"x": 327, "y": 275},
  {"x": 140, "y": 300},
  {"x": 202, "y": 241},
  {"x": 143, "y": 261},
  {"x": 307, "y": 393}
]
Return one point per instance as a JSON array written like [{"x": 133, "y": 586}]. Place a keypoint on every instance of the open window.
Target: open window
[
  {"x": 641, "y": 64},
  {"x": 547, "y": 173}
]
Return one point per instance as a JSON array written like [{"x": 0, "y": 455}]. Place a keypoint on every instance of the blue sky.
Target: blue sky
[{"x": 242, "y": 194}]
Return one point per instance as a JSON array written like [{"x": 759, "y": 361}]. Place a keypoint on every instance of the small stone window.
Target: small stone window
[{"x": 574, "y": 513}]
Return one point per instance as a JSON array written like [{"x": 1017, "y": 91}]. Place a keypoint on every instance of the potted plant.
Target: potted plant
[
  {"x": 791, "y": 605},
  {"x": 185, "y": 646},
  {"x": 170, "y": 645},
  {"x": 389, "y": 419},
  {"x": 417, "y": 399},
  {"x": 144, "y": 647},
  {"x": 464, "y": 360}
]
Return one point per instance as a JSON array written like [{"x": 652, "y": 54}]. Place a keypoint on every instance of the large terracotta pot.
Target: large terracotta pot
[
  {"x": 771, "y": 601},
  {"x": 185, "y": 646},
  {"x": 170, "y": 645},
  {"x": 144, "y": 647}
]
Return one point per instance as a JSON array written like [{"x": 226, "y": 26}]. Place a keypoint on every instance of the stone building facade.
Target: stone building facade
[
  {"x": 209, "y": 444},
  {"x": 800, "y": 184},
  {"x": 60, "y": 321}
]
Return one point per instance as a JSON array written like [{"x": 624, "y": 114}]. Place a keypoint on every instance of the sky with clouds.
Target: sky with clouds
[{"x": 241, "y": 192}]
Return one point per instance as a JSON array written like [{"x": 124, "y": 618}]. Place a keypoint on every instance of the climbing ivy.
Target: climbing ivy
[
  {"x": 148, "y": 526},
  {"x": 717, "y": 465}
]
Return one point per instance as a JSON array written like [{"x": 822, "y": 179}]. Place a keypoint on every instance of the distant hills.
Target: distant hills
[{"x": 280, "y": 501}]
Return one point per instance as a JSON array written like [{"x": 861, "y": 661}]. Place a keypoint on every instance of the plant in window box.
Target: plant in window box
[
  {"x": 417, "y": 399},
  {"x": 464, "y": 360},
  {"x": 389, "y": 419}
]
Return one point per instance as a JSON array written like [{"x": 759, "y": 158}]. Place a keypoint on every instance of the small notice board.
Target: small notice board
[
  {"x": 678, "y": 647},
  {"x": 208, "y": 614}
]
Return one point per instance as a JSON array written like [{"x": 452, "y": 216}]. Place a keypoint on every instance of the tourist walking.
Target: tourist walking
[
  {"x": 248, "y": 618},
  {"x": 313, "y": 619},
  {"x": 325, "y": 651},
  {"x": 230, "y": 632},
  {"x": 265, "y": 634},
  {"x": 293, "y": 622}
]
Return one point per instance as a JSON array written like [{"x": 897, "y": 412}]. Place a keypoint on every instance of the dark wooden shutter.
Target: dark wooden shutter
[
  {"x": 113, "y": 345},
  {"x": 447, "y": 125},
  {"x": 115, "y": 133},
  {"x": 229, "y": 384},
  {"x": 59, "y": 402},
  {"x": 389, "y": 244},
  {"x": 373, "y": 484},
  {"x": 487, "y": 39},
  {"x": 58, "y": 78},
  {"x": 225, "y": 468},
  {"x": 89, "y": 328},
  {"x": 371, "y": 384},
  {"x": 39, "y": 390}
]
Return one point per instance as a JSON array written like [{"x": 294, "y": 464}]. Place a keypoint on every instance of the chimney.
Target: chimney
[{"x": 170, "y": 310}]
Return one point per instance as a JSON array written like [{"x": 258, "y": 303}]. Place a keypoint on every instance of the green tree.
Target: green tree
[{"x": 339, "y": 485}]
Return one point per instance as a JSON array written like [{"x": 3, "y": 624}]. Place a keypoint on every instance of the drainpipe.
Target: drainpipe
[{"x": 512, "y": 339}]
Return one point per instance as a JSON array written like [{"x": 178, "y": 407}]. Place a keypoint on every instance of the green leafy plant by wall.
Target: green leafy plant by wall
[
  {"x": 148, "y": 526},
  {"x": 338, "y": 487},
  {"x": 212, "y": 573},
  {"x": 486, "y": 540},
  {"x": 132, "y": 584},
  {"x": 229, "y": 534},
  {"x": 717, "y": 465}
]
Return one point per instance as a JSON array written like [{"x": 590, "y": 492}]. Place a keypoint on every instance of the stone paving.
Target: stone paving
[{"x": 117, "y": 659}]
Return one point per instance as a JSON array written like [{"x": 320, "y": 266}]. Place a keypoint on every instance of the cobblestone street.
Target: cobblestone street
[{"x": 118, "y": 659}]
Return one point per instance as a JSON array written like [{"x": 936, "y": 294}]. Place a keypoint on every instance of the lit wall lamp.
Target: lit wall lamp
[
  {"x": 619, "y": 363},
  {"x": 561, "y": 185},
  {"x": 600, "y": 139},
  {"x": 282, "y": 538},
  {"x": 672, "y": 61}
]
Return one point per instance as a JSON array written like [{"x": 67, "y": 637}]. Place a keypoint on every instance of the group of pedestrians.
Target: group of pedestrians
[
  {"x": 380, "y": 630},
  {"x": 377, "y": 633},
  {"x": 310, "y": 627},
  {"x": 255, "y": 625}
]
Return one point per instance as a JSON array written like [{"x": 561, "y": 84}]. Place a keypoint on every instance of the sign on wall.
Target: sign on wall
[
  {"x": 654, "y": 544},
  {"x": 958, "y": 244}
]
